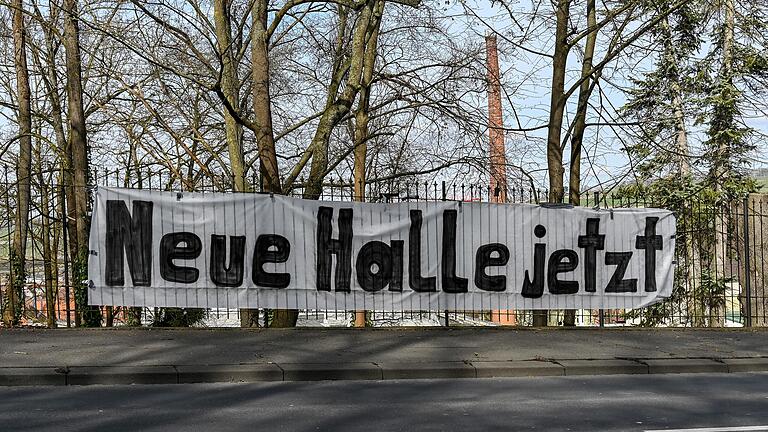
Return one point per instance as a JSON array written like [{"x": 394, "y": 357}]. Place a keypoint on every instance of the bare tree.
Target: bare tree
[
  {"x": 78, "y": 154},
  {"x": 13, "y": 306}
]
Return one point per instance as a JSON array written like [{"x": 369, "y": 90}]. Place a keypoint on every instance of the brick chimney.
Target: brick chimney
[
  {"x": 498, "y": 158},
  {"x": 497, "y": 153}
]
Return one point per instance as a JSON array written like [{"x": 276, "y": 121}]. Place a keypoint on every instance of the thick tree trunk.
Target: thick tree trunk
[
  {"x": 12, "y": 311},
  {"x": 262, "y": 105},
  {"x": 360, "y": 153},
  {"x": 585, "y": 90},
  {"x": 557, "y": 105},
  {"x": 360, "y": 150},
  {"x": 230, "y": 85},
  {"x": 579, "y": 127},
  {"x": 265, "y": 140},
  {"x": 89, "y": 316}
]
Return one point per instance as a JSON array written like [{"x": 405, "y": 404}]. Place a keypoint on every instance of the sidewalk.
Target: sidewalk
[{"x": 147, "y": 356}]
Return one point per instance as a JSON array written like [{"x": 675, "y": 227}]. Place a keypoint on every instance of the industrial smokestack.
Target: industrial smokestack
[
  {"x": 498, "y": 158},
  {"x": 497, "y": 152}
]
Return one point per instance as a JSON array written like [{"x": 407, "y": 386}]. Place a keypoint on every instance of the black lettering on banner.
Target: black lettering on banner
[
  {"x": 592, "y": 242},
  {"x": 556, "y": 266},
  {"x": 281, "y": 250},
  {"x": 374, "y": 253},
  {"x": 451, "y": 283},
  {"x": 132, "y": 234},
  {"x": 221, "y": 274},
  {"x": 618, "y": 284},
  {"x": 396, "y": 283},
  {"x": 171, "y": 249},
  {"x": 535, "y": 288},
  {"x": 341, "y": 247},
  {"x": 483, "y": 259},
  {"x": 417, "y": 282},
  {"x": 650, "y": 242}
]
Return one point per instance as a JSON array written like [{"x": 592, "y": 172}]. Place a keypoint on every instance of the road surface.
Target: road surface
[{"x": 718, "y": 402}]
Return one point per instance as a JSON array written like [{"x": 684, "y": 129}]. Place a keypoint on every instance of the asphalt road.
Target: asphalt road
[{"x": 723, "y": 402}]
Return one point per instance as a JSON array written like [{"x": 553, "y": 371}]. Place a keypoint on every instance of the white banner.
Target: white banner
[{"x": 217, "y": 250}]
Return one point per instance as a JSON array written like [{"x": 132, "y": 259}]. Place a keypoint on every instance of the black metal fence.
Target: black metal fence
[{"x": 720, "y": 275}]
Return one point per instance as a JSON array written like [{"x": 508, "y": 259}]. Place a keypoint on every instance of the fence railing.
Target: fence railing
[{"x": 720, "y": 277}]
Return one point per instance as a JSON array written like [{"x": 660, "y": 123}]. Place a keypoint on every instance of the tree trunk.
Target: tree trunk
[
  {"x": 230, "y": 86},
  {"x": 337, "y": 108},
  {"x": 265, "y": 140},
  {"x": 89, "y": 316},
  {"x": 726, "y": 72},
  {"x": 48, "y": 239},
  {"x": 62, "y": 144},
  {"x": 360, "y": 150},
  {"x": 262, "y": 108},
  {"x": 723, "y": 165},
  {"x": 12, "y": 312},
  {"x": 676, "y": 101},
  {"x": 723, "y": 107},
  {"x": 690, "y": 267},
  {"x": 360, "y": 74},
  {"x": 557, "y": 105},
  {"x": 51, "y": 80},
  {"x": 580, "y": 122},
  {"x": 681, "y": 136},
  {"x": 62, "y": 149}
]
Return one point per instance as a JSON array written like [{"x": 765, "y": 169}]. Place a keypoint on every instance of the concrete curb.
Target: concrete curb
[
  {"x": 229, "y": 373},
  {"x": 78, "y": 375},
  {"x": 330, "y": 371},
  {"x": 526, "y": 368},
  {"x": 33, "y": 376},
  {"x": 755, "y": 364},
  {"x": 684, "y": 365},
  {"x": 603, "y": 367},
  {"x": 265, "y": 372},
  {"x": 412, "y": 370}
]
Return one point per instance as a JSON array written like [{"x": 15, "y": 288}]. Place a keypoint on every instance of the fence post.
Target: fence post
[
  {"x": 600, "y": 312},
  {"x": 445, "y": 197},
  {"x": 747, "y": 283}
]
